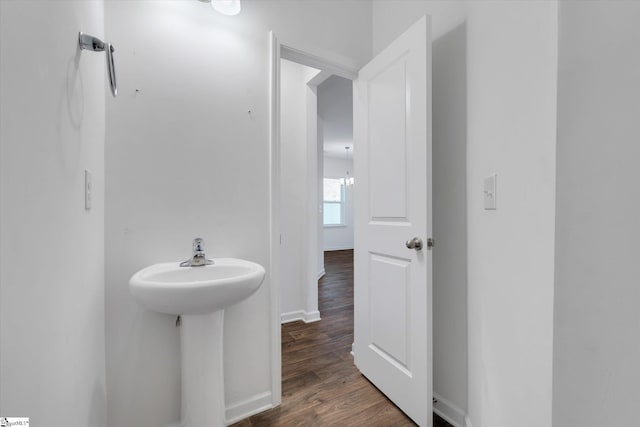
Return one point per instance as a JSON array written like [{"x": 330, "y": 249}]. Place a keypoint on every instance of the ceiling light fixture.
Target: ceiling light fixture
[
  {"x": 348, "y": 179},
  {"x": 227, "y": 7}
]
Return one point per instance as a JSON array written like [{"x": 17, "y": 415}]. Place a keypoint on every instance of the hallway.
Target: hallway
[{"x": 320, "y": 384}]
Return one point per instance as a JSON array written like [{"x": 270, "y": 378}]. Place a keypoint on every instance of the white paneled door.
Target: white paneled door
[{"x": 393, "y": 278}]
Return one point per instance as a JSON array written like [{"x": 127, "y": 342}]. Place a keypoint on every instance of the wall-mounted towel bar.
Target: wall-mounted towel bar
[{"x": 94, "y": 44}]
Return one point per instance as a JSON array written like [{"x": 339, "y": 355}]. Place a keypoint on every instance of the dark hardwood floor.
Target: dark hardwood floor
[{"x": 320, "y": 384}]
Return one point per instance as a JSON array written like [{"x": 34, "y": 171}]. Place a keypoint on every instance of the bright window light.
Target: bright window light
[{"x": 333, "y": 207}]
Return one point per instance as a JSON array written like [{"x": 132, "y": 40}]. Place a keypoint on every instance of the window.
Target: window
[{"x": 333, "y": 209}]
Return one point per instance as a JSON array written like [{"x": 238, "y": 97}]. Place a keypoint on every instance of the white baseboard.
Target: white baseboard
[
  {"x": 246, "y": 408},
  {"x": 450, "y": 412},
  {"x": 321, "y": 273},
  {"x": 292, "y": 316},
  {"x": 338, "y": 248},
  {"x": 314, "y": 316}
]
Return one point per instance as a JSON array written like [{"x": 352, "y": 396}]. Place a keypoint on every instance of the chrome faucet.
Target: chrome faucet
[{"x": 198, "y": 258}]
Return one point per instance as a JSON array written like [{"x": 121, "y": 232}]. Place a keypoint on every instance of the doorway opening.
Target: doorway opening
[
  {"x": 316, "y": 182},
  {"x": 296, "y": 160},
  {"x": 316, "y": 142}
]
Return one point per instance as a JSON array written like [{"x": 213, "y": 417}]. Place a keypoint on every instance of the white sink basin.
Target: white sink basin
[
  {"x": 169, "y": 288},
  {"x": 199, "y": 295}
]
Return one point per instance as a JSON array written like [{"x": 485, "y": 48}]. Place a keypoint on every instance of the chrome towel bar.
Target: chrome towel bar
[{"x": 94, "y": 44}]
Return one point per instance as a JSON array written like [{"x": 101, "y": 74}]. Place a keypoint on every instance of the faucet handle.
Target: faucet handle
[
  {"x": 198, "y": 245},
  {"x": 198, "y": 257}
]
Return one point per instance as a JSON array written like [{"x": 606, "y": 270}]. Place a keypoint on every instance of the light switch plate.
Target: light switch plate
[
  {"x": 88, "y": 190},
  {"x": 490, "y": 191}
]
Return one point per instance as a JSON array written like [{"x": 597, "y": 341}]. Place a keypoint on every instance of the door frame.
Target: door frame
[{"x": 280, "y": 50}]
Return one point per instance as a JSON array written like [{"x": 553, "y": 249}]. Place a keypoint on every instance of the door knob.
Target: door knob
[{"x": 415, "y": 243}]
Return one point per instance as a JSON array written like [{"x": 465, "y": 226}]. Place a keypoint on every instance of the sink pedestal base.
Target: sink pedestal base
[{"x": 202, "y": 370}]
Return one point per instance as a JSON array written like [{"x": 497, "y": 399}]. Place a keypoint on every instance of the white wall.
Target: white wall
[
  {"x": 52, "y": 123},
  {"x": 449, "y": 141},
  {"x": 335, "y": 109},
  {"x": 511, "y": 64},
  {"x": 596, "y": 346},
  {"x": 319, "y": 192},
  {"x": 335, "y": 106},
  {"x": 295, "y": 197},
  {"x": 511, "y": 84},
  {"x": 340, "y": 237},
  {"x": 512, "y": 77},
  {"x": 185, "y": 159}
]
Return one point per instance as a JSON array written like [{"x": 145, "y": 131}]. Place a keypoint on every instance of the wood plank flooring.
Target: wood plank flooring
[{"x": 320, "y": 384}]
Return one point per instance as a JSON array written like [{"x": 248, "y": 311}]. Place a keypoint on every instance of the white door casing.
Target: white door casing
[{"x": 393, "y": 284}]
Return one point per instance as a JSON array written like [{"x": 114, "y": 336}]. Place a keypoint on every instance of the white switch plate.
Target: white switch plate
[
  {"x": 88, "y": 189},
  {"x": 490, "y": 191}
]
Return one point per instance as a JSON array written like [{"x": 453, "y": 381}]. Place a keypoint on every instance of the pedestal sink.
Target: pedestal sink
[{"x": 199, "y": 295}]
